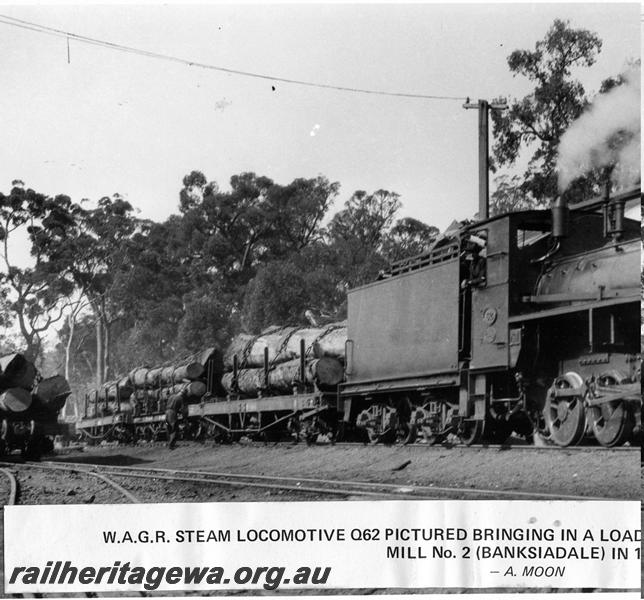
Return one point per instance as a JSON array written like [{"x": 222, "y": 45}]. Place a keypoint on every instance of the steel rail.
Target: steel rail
[
  {"x": 504, "y": 447},
  {"x": 13, "y": 487},
  {"x": 485, "y": 447},
  {"x": 51, "y": 466},
  {"x": 416, "y": 446},
  {"x": 337, "y": 487},
  {"x": 131, "y": 497},
  {"x": 254, "y": 484},
  {"x": 189, "y": 477}
]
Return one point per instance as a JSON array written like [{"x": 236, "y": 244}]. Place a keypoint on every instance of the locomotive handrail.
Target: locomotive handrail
[
  {"x": 438, "y": 255},
  {"x": 601, "y": 294},
  {"x": 598, "y": 201}
]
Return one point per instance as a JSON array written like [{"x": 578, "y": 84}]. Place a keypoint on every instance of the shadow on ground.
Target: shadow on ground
[{"x": 113, "y": 460}]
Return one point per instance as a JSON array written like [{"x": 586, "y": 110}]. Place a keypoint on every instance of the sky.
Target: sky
[{"x": 101, "y": 122}]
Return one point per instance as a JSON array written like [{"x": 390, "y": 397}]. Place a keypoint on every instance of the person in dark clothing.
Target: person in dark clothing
[{"x": 175, "y": 408}]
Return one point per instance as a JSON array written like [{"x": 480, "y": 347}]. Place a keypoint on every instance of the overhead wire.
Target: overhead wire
[{"x": 28, "y": 25}]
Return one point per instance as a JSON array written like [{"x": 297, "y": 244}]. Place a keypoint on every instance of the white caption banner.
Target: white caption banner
[{"x": 296, "y": 545}]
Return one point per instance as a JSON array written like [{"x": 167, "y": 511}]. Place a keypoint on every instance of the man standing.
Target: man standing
[{"x": 175, "y": 408}]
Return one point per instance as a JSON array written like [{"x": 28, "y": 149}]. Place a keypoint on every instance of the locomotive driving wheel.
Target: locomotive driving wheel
[
  {"x": 565, "y": 416},
  {"x": 612, "y": 422}
]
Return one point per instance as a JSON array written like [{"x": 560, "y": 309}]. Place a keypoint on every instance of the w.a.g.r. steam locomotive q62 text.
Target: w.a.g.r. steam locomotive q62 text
[{"x": 526, "y": 322}]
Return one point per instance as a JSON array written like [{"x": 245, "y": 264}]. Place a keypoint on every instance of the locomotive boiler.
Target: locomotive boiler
[{"x": 526, "y": 322}]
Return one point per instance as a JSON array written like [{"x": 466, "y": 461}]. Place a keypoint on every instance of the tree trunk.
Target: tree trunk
[
  {"x": 71, "y": 319},
  {"x": 99, "y": 351},
  {"x": 106, "y": 350}
]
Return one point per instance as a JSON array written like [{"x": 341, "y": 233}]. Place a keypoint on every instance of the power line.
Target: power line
[{"x": 13, "y": 22}]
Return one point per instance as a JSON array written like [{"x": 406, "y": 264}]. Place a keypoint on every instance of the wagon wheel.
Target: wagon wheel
[
  {"x": 379, "y": 424},
  {"x": 199, "y": 432},
  {"x": 470, "y": 432},
  {"x": 147, "y": 435},
  {"x": 612, "y": 422},
  {"x": 217, "y": 434},
  {"x": 565, "y": 417}
]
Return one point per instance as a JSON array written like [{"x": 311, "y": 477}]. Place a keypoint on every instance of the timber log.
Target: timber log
[{"x": 325, "y": 372}]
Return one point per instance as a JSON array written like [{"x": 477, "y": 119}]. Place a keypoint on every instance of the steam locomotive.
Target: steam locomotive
[{"x": 526, "y": 322}]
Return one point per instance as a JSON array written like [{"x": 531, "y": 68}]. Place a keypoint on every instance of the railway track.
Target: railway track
[
  {"x": 14, "y": 494},
  {"x": 306, "y": 485},
  {"x": 417, "y": 446}
]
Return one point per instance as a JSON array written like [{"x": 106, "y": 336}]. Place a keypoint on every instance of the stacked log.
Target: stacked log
[
  {"x": 324, "y": 357},
  {"x": 284, "y": 344},
  {"x": 325, "y": 372},
  {"x": 148, "y": 388},
  {"x": 21, "y": 392}
]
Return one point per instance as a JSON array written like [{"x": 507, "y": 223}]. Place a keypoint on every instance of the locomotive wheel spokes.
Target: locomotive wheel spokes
[
  {"x": 470, "y": 432},
  {"x": 612, "y": 423},
  {"x": 565, "y": 416}
]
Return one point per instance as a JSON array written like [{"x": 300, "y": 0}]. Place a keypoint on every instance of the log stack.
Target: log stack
[
  {"x": 23, "y": 392},
  {"x": 323, "y": 354},
  {"x": 147, "y": 389},
  {"x": 283, "y": 344}
]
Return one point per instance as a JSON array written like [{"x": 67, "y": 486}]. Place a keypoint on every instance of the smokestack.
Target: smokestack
[{"x": 560, "y": 218}]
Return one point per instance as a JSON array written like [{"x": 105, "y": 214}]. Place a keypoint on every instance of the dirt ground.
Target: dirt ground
[{"x": 592, "y": 473}]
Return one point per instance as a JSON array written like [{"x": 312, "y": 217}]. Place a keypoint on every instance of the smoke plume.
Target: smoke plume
[{"x": 606, "y": 134}]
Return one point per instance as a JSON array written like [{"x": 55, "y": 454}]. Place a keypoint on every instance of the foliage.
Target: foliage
[
  {"x": 361, "y": 241},
  {"x": 408, "y": 237},
  {"x": 508, "y": 196},
  {"x": 136, "y": 292},
  {"x": 536, "y": 122},
  {"x": 366, "y": 218},
  {"x": 231, "y": 233},
  {"x": 283, "y": 291},
  {"x": 33, "y": 296},
  {"x": 207, "y": 321}
]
